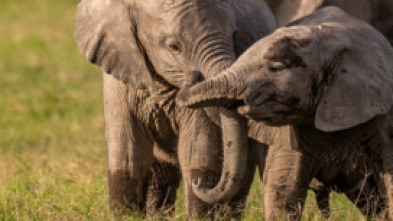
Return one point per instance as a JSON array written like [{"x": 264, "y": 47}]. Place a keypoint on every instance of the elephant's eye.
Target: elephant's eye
[
  {"x": 276, "y": 66},
  {"x": 173, "y": 45}
]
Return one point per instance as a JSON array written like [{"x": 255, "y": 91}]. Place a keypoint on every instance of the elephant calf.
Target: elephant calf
[
  {"x": 330, "y": 78},
  {"x": 143, "y": 48}
]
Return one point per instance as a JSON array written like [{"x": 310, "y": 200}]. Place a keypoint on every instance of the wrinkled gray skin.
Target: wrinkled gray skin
[
  {"x": 330, "y": 78},
  {"x": 143, "y": 48},
  {"x": 375, "y": 12},
  {"x": 361, "y": 189}
]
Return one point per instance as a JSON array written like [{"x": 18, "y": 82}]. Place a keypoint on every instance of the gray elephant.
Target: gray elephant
[
  {"x": 330, "y": 78},
  {"x": 376, "y": 12},
  {"x": 143, "y": 48}
]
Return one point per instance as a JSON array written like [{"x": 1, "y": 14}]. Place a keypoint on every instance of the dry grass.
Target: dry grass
[{"x": 53, "y": 157}]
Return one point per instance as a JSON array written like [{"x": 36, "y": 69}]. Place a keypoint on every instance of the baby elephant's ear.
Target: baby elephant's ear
[
  {"x": 361, "y": 86},
  {"x": 106, "y": 35}
]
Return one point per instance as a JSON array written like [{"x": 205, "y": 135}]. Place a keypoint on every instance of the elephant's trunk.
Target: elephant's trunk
[
  {"x": 221, "y": 90},
  {"x": 235, "y": 145}
]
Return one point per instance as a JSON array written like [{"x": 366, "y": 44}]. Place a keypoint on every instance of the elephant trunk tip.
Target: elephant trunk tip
[
  {"x": 224, "y": 90},
  {"x": 209, "y": 196},
  {"x": 223, "y": 192},
  {"x": 235, "y": 149},
  {"x": 185, "y": 98}
]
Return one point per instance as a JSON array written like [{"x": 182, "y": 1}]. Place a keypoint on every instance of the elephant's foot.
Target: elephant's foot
[
  {"x": 387, "y": 193},
  {"x": 161, "y": 189},
  {"x": 388, "y": 189},
  {"x": 383, "y": 168}
]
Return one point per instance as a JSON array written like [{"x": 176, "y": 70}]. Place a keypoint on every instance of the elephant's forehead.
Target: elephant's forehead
[
  {"x": 185, "y": 15},
  {"x": 170, "y": 5},
  {"x": 293, "y": 31}
]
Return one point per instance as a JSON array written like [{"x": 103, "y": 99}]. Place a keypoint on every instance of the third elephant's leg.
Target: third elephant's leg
[
  {"x": 386, "y": 172},
  {"x": 129, "y": 148},
  {"x": 286, "y": 180}
]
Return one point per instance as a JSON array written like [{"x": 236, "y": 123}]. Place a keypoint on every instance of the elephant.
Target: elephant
[
  {"x": 327, "y": 78},
  {"x": 144, "y": 48},
  {"x": 376, "y": 12}
]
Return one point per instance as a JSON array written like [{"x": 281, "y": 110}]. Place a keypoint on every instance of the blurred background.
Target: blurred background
[
  {"x": 52, "y": 150},
  {"x": 52, "y": 147}
]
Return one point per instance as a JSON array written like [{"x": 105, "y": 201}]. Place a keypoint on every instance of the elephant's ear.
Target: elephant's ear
[
  {"x": 251, "y": 24},
  {"x": 106, "y": 35},
  {"x": 361, "y": 85}
]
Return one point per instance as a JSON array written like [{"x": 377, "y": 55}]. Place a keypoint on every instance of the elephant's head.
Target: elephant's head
[
  {"x": 139, "y": 41},
  {"x": 145, "y": 42},
  {"x": 330, "y": 68}
]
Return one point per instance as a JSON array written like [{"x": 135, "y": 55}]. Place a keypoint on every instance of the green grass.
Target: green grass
[{"x": 52, "y": 149}]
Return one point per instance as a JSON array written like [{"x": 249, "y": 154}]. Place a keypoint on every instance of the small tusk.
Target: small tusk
[
  {"x": 320, "y": 27},
  {"x": 196, "y": 182}
]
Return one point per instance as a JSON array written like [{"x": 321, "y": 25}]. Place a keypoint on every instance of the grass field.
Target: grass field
[{"x": 52, "y": 150}]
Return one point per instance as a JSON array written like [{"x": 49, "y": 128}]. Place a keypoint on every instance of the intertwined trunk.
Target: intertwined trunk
[
  {"x": 221, "y": 90},
  {"x": 235, "y": 146}
]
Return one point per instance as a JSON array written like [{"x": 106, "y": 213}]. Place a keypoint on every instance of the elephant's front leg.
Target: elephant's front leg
[
  {"x": 129, "y": 149},
  {"x": 385, "y": 171},
  {"x": 199, "y": 152},
  {"x": 286, "y": 180}
]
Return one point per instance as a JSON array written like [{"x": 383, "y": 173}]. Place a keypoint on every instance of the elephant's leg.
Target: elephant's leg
[
  {"x": 286, "y": 180},
  {"x": 129, "y": 149},
  {"x": 386, "y": 175},
  {"x": 161, "y": 191},
  {"x": 200, "y": 157},
  {"x": 261, "y": 153}
]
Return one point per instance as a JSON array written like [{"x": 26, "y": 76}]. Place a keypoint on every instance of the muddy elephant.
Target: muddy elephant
[
  {"x": 329, "y": 77},
  {"x": 143, "y": 48},
  {"x": 376, "y": 12}
]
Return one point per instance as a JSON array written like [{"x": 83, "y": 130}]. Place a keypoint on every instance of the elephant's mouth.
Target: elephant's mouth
[
  {"x": 173, "y": 76},
  {"x": 271, "y": 117}
]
